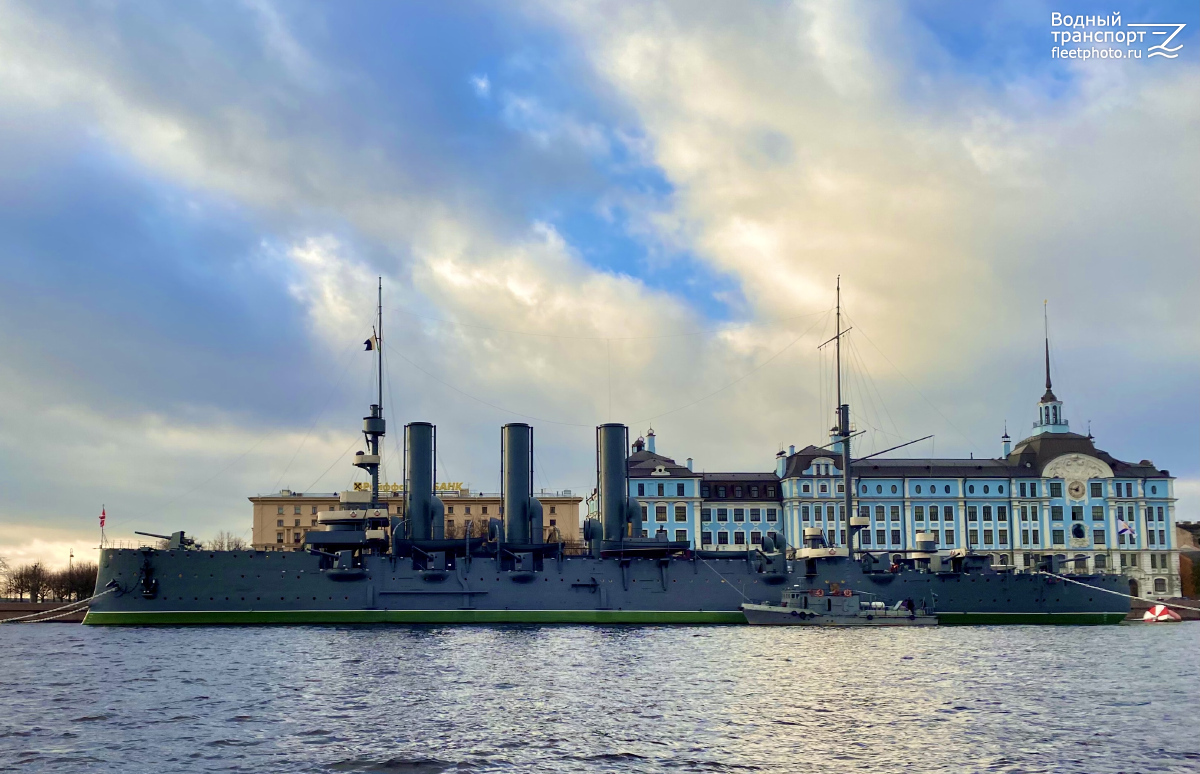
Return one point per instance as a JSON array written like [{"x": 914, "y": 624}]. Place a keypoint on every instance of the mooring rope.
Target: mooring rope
[
  {"x": 722, "y": 577},
  {"x": 1118, "y": 593},
  {"x": 73, "y": 607}
]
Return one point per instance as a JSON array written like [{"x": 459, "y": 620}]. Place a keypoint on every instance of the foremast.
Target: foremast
[{"x": 374, "y": 425}]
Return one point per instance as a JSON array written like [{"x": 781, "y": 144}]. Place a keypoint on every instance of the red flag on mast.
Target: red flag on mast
[{"x": 102, "y": 517}]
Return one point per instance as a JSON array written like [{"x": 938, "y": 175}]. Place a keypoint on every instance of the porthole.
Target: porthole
[
  {"x": 985, "y": 488},
  {"x": 918, "y": 489},
  {"x": 947, "y": 489},
  {"x": 893, "y": 489},
  {"x": 878, "y": 489},
  {"x": 1000, "y": 489},
  {"x": 1154, "y": 490}
]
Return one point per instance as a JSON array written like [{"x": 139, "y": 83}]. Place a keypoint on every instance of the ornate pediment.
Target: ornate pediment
[{"x": 1076, "y": 467}]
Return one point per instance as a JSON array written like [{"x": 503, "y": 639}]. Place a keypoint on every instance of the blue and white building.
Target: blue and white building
[
  {"x": 712, "y": 511},
  {"x": 1052, "y": 493}
]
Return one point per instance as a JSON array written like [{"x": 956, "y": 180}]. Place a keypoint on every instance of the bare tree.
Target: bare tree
[
  {"x": 29, "y": 579},
  {"x": 58, "y": 584},
  {"x": 81, "y": 582},
  {"x": 226, "y": 541}
]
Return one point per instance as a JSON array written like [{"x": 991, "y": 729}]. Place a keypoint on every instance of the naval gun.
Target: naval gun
[{"x": 175, "y": 541}]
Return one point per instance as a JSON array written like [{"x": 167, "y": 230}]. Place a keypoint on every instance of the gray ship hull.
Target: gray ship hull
[{"x": 150, "y": 586}]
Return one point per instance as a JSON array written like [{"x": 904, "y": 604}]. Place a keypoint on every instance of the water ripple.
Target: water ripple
[{"x": 574, "y": 699}]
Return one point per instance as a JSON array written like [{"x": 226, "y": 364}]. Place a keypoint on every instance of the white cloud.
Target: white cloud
[
  {"x": 1187, "y": 495},
  {"x": 547, "y": 127},
  {"x": 792, "y": 158},
  {"x": 482, "y": 85}
]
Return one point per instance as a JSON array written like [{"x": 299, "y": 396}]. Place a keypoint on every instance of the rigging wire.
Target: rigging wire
[
  {"x": 822, "y": 387},
  {"x": 328, "y": 399},
  {"x": 479, "y": 400},
  {"x": 353, "y": 443},
  {"x": 141, "y": 519},
  {"x": 867, "y": 383},
  {"x": 703, "y": 398},
  {"x": 932, "y": 405},
  {"x": 606, "y": 337},
  {"x": 872, "y": 385},
  {"x": 757, "y": 368}
]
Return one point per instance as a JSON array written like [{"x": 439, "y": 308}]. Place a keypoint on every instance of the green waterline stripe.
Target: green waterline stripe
[
  {"x": 251, "y": 617},
  {"x": 977, "y": 619},
  {"x": 240, "y": 617}
]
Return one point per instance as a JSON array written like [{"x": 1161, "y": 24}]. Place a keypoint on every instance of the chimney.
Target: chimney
[
  {"x": 650, "y": 441},
  {"x": 689, "y": 463},
  {"x": 791, "y": 450},
  {"x": 780, "y": 463}
]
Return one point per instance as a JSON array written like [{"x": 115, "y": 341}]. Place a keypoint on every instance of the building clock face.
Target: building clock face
[{"x": 1075, "y": 489}]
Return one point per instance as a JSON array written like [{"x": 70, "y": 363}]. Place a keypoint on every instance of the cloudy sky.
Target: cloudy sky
[{"x": 582, "y": 213}]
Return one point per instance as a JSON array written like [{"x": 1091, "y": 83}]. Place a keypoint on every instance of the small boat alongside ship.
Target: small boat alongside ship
[{"x": 836, "y": 606}]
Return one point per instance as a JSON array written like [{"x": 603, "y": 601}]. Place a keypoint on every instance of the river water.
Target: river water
[{"x": 670, "y": 699}]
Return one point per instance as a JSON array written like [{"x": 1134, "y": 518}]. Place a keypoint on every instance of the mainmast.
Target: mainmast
[
  {"x": 843, "y": 423},
  {"x": 844, "y": 429}
]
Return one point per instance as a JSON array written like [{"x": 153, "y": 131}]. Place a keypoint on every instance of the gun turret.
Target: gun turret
[{"x": 175, "y": 541}]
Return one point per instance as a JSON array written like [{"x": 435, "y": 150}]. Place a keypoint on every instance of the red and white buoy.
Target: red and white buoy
[{"x": 1160, "y": 613}]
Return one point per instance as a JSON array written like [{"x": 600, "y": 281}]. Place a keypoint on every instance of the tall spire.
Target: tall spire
[
  {"x": 1049, "y": 396},
  {"x": 1050, "y": 414}
]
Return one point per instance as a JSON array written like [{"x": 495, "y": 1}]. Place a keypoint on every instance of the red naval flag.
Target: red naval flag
[{"x": 102, "y": 517}]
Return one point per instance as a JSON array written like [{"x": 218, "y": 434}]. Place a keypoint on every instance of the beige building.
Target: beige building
[{"x": 281, "y": 520}]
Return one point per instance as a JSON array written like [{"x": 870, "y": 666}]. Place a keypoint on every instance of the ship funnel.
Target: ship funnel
[
  {"x": 617, "y": 511},
  {"x": 522, "y": 513},
  {"x": 423, "y": 512}
]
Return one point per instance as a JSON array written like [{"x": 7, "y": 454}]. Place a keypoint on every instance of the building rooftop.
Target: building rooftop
[
  {"x": 766, "y": 478},
  {"x": 442, "y": 493},
  {"x": 1028, "y": 458},
  {"x": 645, "y": 464}
]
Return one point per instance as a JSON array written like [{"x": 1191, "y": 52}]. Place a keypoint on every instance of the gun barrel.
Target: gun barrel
[{"x": 151, "y": 534}]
